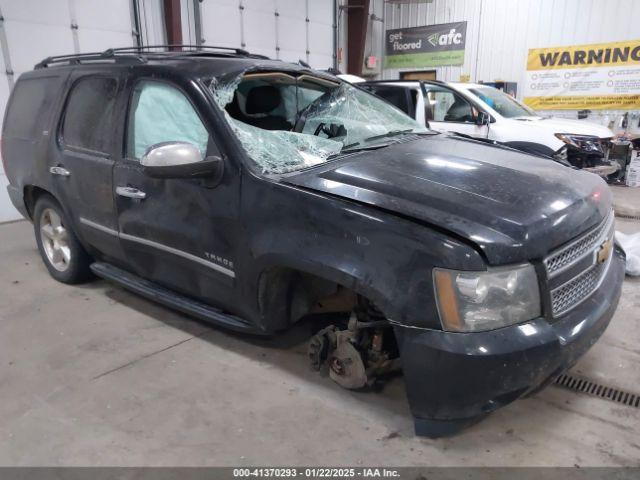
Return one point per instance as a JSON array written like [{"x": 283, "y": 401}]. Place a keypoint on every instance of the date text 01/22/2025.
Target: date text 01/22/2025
[{"x": 317, "y": 472}]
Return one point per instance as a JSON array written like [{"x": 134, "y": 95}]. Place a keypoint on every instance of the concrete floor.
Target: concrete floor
[
  {"x": 626, "y": 201},
  {"x": 94, "y": 375}
]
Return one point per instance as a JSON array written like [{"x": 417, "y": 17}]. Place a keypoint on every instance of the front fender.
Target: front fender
[{"x": 383, "y": 257}]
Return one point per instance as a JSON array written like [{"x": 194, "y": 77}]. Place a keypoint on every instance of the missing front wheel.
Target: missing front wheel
[{"x": 359, "y": 356}]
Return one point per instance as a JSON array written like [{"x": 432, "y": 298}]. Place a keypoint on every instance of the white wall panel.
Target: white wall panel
[
  {"x": 46, "y": 12},
  {"x": 321, "y": 33},
  {"x": 152, "y": 27},
  {"x": 276, "y": 28},
  {"x": 260, "y": 31},
  {"x": 292, "y": 30},
  {"x": 187, "y": 19},
  {"x": 259, "y": 27},
  {"x": 92, "y": 40},
  {"x": 221, "y": 23},
  {"x": 29, "y": 43},
  {"x": 103, "y": 25},
  {"x": 35, "y": 29}
]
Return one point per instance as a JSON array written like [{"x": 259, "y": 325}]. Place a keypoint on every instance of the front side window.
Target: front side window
[
  {"x": 445, "y": 105},
  {"x": 504, "y": 104},
  {"x": 287, "y": 122},
  {"x": 161, "y": 113},
  {"x": 88, "y": 118}
]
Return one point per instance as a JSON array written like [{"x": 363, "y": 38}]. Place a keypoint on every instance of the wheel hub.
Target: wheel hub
[{"x": 55, "y": 240}]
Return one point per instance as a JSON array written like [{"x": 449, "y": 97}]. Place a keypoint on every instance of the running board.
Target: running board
[{"x": 169, "y": 298}]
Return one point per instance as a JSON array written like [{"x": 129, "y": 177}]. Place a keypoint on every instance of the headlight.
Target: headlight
[
  {"x": 582, "y": 142},
  {"x": 474, "y": 301}
]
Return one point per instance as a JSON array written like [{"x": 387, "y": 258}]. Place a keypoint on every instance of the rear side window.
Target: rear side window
[
  {"x": 396, "y": 96},
  {"x": 30, "y": 107},
  {"x": 88, "y": 118}
]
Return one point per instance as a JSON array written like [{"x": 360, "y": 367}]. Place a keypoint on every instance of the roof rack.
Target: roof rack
[
  {"x": 77, "y": 59},
  {"x": 407, "y": 80},
  {"x": 179, "y": 48},
  {"x": 139, "y": 54}
]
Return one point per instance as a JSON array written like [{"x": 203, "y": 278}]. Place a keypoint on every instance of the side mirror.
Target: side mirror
[
  {"x": 483, "y": 118},
  {"x": 180, "y": 160}
]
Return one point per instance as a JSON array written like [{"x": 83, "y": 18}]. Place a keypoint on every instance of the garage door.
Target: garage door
[
  {"x": 289, "y": 30},
  {"x": 34, "y": 29}
]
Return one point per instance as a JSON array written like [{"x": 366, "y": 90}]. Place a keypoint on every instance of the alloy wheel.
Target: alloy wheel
[{"x": 55, "y": 239}]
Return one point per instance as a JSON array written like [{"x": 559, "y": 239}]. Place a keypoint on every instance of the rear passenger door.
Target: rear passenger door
[{"x": 82, "y": 166}]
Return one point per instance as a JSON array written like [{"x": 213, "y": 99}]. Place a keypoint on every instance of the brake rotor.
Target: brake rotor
[
  {"x": 346, "y": 367},
  {"x": 317, "y": 351}
]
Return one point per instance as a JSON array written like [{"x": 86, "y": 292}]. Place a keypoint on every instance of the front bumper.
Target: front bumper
[{"x": 454, "y": 379}]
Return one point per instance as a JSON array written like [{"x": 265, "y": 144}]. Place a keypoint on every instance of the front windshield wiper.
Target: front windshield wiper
[
  {"x": 353, "y": 148},
  {"x": 392, "y": 133},
  {"x": 350, "y": 148}
]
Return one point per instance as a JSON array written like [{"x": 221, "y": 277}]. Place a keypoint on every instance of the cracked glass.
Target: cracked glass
[{"x": 287, "y": 122}]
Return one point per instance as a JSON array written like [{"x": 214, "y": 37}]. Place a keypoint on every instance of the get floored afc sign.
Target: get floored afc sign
[
  {"x": 598, "y": 76},
  {"x": 428, "y": 46}
]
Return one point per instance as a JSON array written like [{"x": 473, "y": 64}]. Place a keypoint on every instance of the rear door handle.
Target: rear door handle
[
  {"x": 63, "y": 172},
  {"x": 130, "y": 192}
]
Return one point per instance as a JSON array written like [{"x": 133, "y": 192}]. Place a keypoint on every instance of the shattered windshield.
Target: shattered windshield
[{"x": 286, "y": 122}]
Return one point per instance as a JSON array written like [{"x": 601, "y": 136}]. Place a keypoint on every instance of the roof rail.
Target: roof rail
[
  {"x": 179, "y": 48},
  {"x": 78, "y": 58},
  {"x": 407, "y": 80},
  {"x": 137, "y": 54}
]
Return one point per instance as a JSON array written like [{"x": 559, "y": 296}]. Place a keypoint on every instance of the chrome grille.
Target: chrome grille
[
  {"x": 572, "y": 293},
  {"x": 566, "y": 256},
  {"x": 582, "y": 285}
]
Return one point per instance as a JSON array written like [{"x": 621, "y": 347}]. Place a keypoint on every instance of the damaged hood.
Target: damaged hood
[
  {"x": 564, "y": 125},
  {"x": 513, "y": 206}
]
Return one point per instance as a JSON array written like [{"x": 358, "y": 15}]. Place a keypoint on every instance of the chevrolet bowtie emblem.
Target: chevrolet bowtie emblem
[{"x": 604, "y": 252}]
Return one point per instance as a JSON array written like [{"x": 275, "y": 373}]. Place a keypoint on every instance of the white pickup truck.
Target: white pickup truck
[{"x": 485, "y": 112}]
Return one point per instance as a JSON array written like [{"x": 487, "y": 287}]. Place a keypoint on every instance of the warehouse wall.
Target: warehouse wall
[
  {"x": 31, "y": 30},
  {"x": 289, "y": 30},
  {"x": 500, "y": 32}
]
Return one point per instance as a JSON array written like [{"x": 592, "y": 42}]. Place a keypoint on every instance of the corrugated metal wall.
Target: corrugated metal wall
[{"x": 499, "y": 32}]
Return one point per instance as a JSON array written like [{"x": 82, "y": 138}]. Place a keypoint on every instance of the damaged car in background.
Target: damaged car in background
[
  {"x": 486, "y": 113},
  {"x": 252, "y": 193}
]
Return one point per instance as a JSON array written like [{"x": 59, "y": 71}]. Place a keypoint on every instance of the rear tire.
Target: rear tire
[{"x": 61, "y": 252}]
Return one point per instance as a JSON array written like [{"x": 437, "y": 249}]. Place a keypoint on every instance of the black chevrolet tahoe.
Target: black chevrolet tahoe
[{"x": 251, "y": 193}]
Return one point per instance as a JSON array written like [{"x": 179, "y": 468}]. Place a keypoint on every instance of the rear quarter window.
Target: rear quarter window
[{"x": 29, "y": 109}]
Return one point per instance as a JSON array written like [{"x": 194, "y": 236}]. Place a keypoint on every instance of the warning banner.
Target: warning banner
[{"x": 600, "y": 76}]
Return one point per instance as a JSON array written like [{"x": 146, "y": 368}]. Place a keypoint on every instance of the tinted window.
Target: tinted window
[
  {"x": 88, "y": 119},
  {"x": 29, "y": 108},
  {"x": 162, "y": 113},
  {"x": 443, "y": 105},
  {"x": 396, "y": 96}
]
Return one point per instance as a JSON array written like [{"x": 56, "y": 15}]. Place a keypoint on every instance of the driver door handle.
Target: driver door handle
[
  {"x": 130, "y": 192},
  {"x": 63, "y": 172}
]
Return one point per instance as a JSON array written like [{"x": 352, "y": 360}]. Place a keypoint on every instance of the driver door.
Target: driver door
[
  {"x": 178, "y": 232},
  {"x": 448, "y": 111}
]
